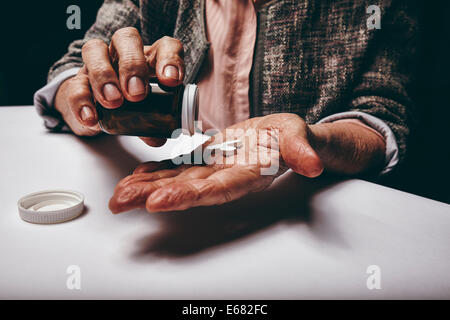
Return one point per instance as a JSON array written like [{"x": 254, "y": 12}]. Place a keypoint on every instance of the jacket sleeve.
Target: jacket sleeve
[
  {"x": 112, "y": 15},
  {"x": 384, "y": 89}
]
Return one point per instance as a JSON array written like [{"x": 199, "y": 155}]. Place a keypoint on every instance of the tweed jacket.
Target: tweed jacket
[{"x": 314, "y": 58}]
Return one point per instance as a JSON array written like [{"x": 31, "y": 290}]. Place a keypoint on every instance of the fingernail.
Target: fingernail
[
  {"x": 136, "y": 86},
  {"x": 171, "y": 72},
  {"x": 87, "y": 114},
  {"x": 111, "y": 92}
]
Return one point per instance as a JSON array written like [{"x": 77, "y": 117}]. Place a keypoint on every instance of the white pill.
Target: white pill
[
  {"x": 228, "y": 151},
  {"x": 215, "y": 146},
  {"x": 233, "y": 143}
]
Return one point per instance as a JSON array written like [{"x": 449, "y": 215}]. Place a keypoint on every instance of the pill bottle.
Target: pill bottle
[{"x": 162, "y": 112}]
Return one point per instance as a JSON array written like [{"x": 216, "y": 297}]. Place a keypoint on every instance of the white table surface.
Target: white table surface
[{"x": 282, "y": 244}]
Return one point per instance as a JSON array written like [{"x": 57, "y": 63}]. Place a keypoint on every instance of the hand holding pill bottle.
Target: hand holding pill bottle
[{"x": 162, "y": 112}]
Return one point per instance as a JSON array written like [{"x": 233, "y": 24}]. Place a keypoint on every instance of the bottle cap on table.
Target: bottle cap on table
[{"x": 51, "y": 206}]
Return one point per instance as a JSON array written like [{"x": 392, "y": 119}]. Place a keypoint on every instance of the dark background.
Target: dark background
[{"x": 34, "y": 35}]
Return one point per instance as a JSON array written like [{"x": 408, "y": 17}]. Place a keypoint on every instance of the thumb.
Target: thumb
[{"x": 298, "y": 154}]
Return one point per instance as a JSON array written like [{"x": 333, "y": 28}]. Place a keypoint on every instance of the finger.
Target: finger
[
  {"x": 300, "y": 156},
  {"x": 145, "y": 177},
  {"x": 166, "y": 57},
  {"x": 127, "y": 48},
  {"x": 102, "y": 76},
  {"x": 154, "y": 142},
  {"x": 223, "y": 186},
  {"x": 133, "y": 196},
  {"x": 150, "y": 56},
  {"x": 133, "y": 191},
  {"x": 82, "y": 106}
]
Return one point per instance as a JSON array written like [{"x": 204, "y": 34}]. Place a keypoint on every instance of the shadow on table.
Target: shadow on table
[
  {"x": 188, "y": 233},
  {"x": 110, "y": 150}
]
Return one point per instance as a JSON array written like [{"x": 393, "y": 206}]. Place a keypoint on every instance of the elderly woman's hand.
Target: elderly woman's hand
[
  {"x": 114, "y": 73},
  {"x": 270, "y": 145}
]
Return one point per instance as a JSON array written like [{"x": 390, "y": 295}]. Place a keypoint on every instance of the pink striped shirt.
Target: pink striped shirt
[{"x": 224, "y": 78}]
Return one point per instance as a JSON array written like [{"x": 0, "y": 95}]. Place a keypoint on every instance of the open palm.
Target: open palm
[{"x": 270, "y": 145}]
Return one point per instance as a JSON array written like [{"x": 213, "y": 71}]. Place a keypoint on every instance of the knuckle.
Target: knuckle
[
  {"x": 166, "y": 39},
  {"x": 101, "y": 70},
  {"x": 78, "y": 93},
  {"x": 172, "y": 59},
  {"x": 173, "y": 42},
  {"x": 132, "y": 63},
  {"x": 93, "y": 43},
  {"x": 125, "y": 32},
  {"x": 125, "y": 182},
  {"x": 75, "y": 99}
]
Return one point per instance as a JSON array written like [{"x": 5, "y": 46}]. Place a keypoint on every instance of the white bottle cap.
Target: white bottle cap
[
  {"x": 52, "y": 206},
  {"x": 189, "y": 108}
]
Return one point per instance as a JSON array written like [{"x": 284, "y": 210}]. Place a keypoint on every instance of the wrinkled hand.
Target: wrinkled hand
[
  {"x": 114, "y": 73},
  {"x": 280, "y": 140}
]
